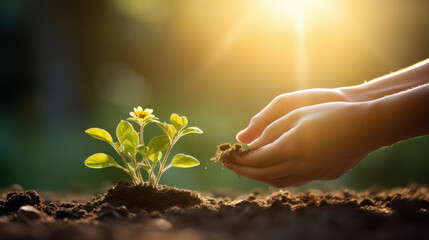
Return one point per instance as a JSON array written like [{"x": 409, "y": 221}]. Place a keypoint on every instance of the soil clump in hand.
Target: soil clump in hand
[{"x": 227, "y": 152}]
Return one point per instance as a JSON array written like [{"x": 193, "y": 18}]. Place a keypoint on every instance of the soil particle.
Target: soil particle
[
  {"x": 108, "y": 211},
  {"x": 160, "y": 224},
  {"x": 15, "y": 200},
  {"x": 366, "y": 202},
  {"x": 226, "y": 152},
  {"x": 62, "y": 214},
  {"x": 28, "y": 212}
]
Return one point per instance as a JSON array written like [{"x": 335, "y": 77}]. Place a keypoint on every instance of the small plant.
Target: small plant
[{"x": 131, "y": 145}]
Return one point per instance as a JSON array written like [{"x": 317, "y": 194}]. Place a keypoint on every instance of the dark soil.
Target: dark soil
[
  {"x": 150, "y": 198},
  {"x": 226, "y": 152},
  {"x": 144, "y": 212}
]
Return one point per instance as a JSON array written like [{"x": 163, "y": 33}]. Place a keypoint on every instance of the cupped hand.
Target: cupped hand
[
  {"x": 285, "y": 103},
  {"x": 319, "y": 142}
]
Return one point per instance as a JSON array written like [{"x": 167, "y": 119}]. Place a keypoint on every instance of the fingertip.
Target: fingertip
[
  {"x": 244, "y": 137},
  {"x": 249, "y": 134},
  {"x": 239, "y": 135}
]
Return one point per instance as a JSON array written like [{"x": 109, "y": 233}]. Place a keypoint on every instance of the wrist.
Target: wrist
[
  {"x": 380, "y": 123},
  {"x": 399, "y": 116}
]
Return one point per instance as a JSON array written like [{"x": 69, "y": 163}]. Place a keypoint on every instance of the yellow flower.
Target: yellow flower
[{"x": 141, "y": 114}]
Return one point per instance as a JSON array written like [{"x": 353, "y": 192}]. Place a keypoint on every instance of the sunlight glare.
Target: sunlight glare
[
  {"x": 298, "y": 16},
  {"x": 289, "y": 17},
  {"x": 280, "y": 12}
]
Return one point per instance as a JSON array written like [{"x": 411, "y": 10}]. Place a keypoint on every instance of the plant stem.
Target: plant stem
[
  {"x": 164, "y": 161},
  {"x": 151, "y": 175},
  {"x": 123, "y": 169},
  {"x": 142, "y": 143},
  {"x": 122, "y": 157},
  {"x": 129, "y": 169},
  {"x": 166, "y": 168},
  {"x": 141, "y": 134},
  {"x": 137, "y": 170},
  {"x": 147, "y": 161}
]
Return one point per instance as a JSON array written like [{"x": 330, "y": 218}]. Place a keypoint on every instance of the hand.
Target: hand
[
  {"x": 285, "y": 103},
  {"x": 319, "y": 142}
]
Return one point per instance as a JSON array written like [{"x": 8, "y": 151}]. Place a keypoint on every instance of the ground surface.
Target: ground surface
[{"x": 143, "y": 212}]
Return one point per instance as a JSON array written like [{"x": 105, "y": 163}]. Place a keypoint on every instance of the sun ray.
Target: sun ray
[
  {"x": 294, "y": 16},
  {"x": 301, "y": 50},
  {"x": 222, "y": 48}
]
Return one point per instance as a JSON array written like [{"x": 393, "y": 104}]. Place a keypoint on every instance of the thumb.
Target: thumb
[
  {"x": 260, "y": 121},
  {"x": 253, "y": 131}
]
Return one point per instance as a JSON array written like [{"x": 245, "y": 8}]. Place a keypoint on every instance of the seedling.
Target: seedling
[{"x": 135, "y": 154}]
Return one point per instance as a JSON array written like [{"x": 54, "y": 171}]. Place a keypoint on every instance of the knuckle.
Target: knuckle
[
  {"x": 266, "y": 135},
  {"x": 277, "y": 103},
  {"x": 294, "y": 116},
  {"x": 278, "y": 99},
  {"x": 267, "y": 131}
]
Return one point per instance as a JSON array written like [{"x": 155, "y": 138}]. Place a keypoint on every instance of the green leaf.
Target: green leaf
[
  {"x": 168, "y": 129},
  {"x": 123, "y": 129},
  {"x": 143, "y": 150},
  {"x": 191, "y": 130},
  {"x": 149, "y": 120},
  {"x": 155, "y": 157},
  {"x": 134, "y": 138},
  {"x": 171, "y": 131},
  {"x": 184, "y": 161},
  {"x": 176, "y": 121},
  {"x": 100, "y": 160},
  {"x": 133, "y": 120},
  {"x": 158, "y": 144},
  {"x": 130, "y": 147},
  {"x": 184, "y": 122},
  {"x": 99, "y": 134},
  {"x": 126, "y": 131},
  {"x": 162, "y": 125}
]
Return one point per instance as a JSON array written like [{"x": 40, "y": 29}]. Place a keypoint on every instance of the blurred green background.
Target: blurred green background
[{"x": 66, "y": 66}]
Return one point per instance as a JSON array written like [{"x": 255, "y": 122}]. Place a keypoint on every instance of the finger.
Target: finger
[
  {"x": 267, "y": 155},
  {"x": 269, "y": 173},
  {"x": 288, "y": 181},
  {"x": 257, "y": 124},
  {"x": 273, "y": 131}
]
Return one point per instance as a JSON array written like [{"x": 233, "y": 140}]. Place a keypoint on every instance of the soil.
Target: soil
[
  {"x": 133, "y": 212},
  {"x": 226, "y": 152}
]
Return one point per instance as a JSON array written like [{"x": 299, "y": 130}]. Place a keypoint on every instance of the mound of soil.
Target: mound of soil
[
  {"x": 143, "y": 212},
  {"x": 150, "y": 198},
  {"x": 226, "y": 152}
]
